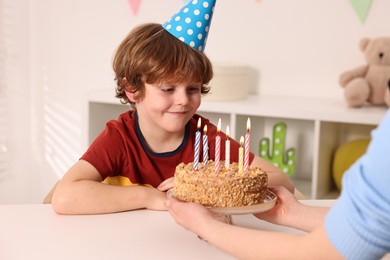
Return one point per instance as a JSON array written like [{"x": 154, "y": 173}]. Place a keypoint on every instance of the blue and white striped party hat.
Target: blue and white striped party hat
[{"x": 191, "y": 24}]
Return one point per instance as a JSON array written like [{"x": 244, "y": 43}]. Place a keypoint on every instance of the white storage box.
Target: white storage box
[{"x": 230, "y": 82}]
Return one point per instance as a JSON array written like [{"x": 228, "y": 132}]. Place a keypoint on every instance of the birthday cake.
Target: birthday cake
[{"x": 227, "y": 188}]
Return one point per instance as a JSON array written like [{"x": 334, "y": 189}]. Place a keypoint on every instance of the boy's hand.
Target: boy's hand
[
  {"x": 156, "y": 199},
  {"x": 166, "y": 185}
]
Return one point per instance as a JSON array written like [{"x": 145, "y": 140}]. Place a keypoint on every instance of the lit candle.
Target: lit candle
[
  {"x": 197, "y": 146},
  {"x": 218, "y": 147},
  {"x": 205, "y": 146},
  {"x": 227, "y": 149},
  {"x": 247, "y": 144},
  {"x": 241, "y": 156}
]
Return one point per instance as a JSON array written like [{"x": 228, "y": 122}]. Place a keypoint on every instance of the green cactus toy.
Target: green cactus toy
[{"x": 285, "y": 162}]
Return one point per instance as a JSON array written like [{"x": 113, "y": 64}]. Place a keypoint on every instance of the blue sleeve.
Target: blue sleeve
[{"x": 358, "y": 224}]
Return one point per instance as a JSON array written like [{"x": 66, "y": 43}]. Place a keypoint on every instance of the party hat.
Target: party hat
[{"x": 192, "y": 23}]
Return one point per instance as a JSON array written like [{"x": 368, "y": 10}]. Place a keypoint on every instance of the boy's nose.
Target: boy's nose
[{"x": 182, "y": 97}]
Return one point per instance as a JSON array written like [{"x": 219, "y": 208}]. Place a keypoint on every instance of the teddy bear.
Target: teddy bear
[{"x": 369, "y": 83}]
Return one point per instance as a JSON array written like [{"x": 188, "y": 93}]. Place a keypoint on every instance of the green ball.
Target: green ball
[{"x": 345, "y": 155}]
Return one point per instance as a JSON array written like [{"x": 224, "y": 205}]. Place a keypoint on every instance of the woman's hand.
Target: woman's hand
[
  {"x": 289, "y": 212},
  {"x": 284, "y": 210},
  {"x": 192, "y": 216}
]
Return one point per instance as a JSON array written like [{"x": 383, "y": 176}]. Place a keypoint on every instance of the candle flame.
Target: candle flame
[
  {"x": 241, "y": 140},
  {"x": 205, "y": 129},
  {"x": 219, "y": 125},
  {"x": 227, "y": 132},
  {"x": 199, "y": 123},
  {"x": 248, "y": 124}
]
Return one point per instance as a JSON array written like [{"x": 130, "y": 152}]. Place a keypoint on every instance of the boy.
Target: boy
[{"x": 162, "y": 72}]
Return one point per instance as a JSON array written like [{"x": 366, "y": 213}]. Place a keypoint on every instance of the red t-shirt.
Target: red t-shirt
[{"x": 120, "y": 150}]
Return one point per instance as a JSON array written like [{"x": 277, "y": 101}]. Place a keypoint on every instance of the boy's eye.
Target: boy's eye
[
  {"x": 167, "y": 89},
  {"x": 193, "y": 89}
]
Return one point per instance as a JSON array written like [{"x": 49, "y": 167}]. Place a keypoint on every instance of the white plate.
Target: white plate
[{"x": 268, "y": 203}]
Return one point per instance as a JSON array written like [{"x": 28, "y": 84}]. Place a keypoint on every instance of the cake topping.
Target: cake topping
[{"x": 226, "y": 188}]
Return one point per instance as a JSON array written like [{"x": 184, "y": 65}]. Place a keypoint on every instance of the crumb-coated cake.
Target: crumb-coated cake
[{"x": 227, "y": 188}]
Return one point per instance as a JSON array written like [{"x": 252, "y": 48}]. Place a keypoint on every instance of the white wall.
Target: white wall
[
  {"x": 16, "y": 177},
  {"x": 297, "y": 47}
]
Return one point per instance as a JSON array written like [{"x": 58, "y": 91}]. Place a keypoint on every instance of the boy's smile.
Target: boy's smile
[{"x": 179, "y": 113}]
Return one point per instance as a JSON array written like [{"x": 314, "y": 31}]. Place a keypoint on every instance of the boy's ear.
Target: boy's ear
[{"x": 129, "y": 95}]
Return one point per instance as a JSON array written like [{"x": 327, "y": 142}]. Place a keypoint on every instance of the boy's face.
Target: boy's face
[{"x": 168, "y": 107}]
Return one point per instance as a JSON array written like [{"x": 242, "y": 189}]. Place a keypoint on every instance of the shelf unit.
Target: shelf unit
[{"x": 315, "y": 127}]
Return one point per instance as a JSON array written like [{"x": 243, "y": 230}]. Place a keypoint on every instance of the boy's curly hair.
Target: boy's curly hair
[{"x": 149, "y": 54}]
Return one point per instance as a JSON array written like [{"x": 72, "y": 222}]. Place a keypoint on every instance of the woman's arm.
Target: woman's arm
[
  {"x": 81, "y": 192},
  {"x": 245, "y": 243}
]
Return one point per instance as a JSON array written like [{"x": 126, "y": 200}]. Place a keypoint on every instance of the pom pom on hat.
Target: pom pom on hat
[{"x": 192, "y": 23}]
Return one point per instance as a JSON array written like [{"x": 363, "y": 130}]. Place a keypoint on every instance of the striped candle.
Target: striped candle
[
  {"x": 227, "y": 149},
  {"x": 197, "y": 146},
  {"x": 247, "y": 144},
  {"x": 241, "y": 156},
  {"x": 218, "y": 147},
  {"x": 205, "y": 146}
]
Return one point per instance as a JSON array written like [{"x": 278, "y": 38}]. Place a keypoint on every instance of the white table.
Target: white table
[{"x": 36, "y": 232}]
